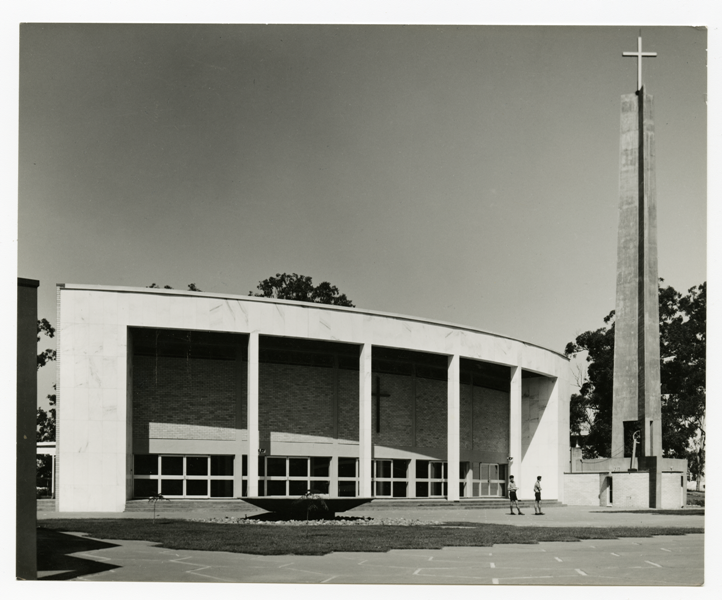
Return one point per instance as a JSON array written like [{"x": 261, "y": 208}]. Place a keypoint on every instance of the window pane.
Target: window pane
[
  {"x": 400, "y": 467},
  {"x": 244, "y": 488},
  {"x": 296, "y": 488},
  {"x": 399, "y": 488},
  {"x": 422, "y": 469},
  {"x": 462, "y": 489},
  {"x": 422, "y": 489},
  {"x": 475, "y": 488},
  {"x": 493, "y": 489},
  {"x": 383, "y": 468},
  {"x": 436, "y": 470},
  {"x": 493, "y": 472},
  {"x": 196, "y": 487},
  {"x": 347, "y": 467},
  {"x": 502, "y": 472},
  {"x": 436, "y": 488},
  {"x": 146, "y": 464},
  {"x": 321, "y": 466},
  {"x": 484, "y": 474},
  {"x": 347, "y": 489},
  {"x": 383, "y": 488},
  {"x": 222, "y": 488},
  {"x": 484, "y": 488},
  {"x": 276, "y": 467},
  {"x": 297, "y": 467},
  {"x": 171, "y": 487},
  {"x": 502, "y": 489},
  {"x": 145, "y": 488},
  {"x": 222, "y": 465},
  {"x": 261, "y": 488},
  {"x": 244, "y": 465},
  {"x": 261, "y": 466},
  {"x": 275, "y": 488},
  {"x": 172, "y": 465},
  {"x": 320, "y": 487},
  {"x": 463, "y": 469},
  {"x": 196, "y": 465}
]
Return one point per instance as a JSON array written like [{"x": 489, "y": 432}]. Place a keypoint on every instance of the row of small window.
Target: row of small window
[
  {"x": 189, "y": 488},
  {"x": 199, "y": 488},
  {"x": 272, "y": 466},
  {"x": 183, "y": 476},
  {"x": 349, "y": 489},
  {"x": 212, "y": 476},
  {"x": 155, "y": 464}
]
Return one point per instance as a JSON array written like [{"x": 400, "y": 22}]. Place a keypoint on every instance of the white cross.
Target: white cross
[{"x": 639, "y": 54}]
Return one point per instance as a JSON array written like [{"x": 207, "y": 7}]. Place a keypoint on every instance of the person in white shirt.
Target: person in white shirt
[
  {"x": 512, "y": 496},
  {"x": 537, "y": 496}
]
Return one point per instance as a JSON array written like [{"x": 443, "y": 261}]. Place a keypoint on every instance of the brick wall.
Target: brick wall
[
  {"x": 431, "y": 413},
  {"x": 396, "y": 410},
  {"x": 178, "y": 398},
  {"x": 630, "y": 490},
  {"x": 466, "y": 413},
  {"x": 581, "y": 489},
  {"x": 296, "y": 400},
  {"x": 491, "y": 420},
  {"x": 348, "y": 411}
]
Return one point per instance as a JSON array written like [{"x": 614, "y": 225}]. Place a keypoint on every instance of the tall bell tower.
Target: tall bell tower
[{"x": 636, "y": 392}]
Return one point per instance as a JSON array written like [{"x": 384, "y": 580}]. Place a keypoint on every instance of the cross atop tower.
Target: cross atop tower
[{"x": 639, "y": 54}]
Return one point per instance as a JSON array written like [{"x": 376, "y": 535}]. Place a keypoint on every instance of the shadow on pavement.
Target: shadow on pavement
[{"x": 55, "y": 548}]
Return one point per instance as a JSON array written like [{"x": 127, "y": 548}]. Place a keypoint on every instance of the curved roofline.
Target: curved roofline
[{"x": 317, "y": 305}]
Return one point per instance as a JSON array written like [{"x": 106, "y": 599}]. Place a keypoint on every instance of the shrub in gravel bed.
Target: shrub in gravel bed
[{"x": 338, "y": 521}]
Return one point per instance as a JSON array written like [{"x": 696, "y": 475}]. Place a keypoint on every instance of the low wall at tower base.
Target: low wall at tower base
[
  {"x": 584, "y": 489},
  {"x": 635, "y": 489},
  {"x": 630, "y": 490}
]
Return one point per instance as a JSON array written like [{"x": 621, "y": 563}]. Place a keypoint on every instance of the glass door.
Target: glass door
[{"x": 492, "y": 480}]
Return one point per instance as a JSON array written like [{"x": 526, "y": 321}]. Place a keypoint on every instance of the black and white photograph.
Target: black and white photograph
[{"x": 365, "y": 302}]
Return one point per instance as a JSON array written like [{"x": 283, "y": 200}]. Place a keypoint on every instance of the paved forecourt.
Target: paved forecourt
[{"x": 660, "y": 560}]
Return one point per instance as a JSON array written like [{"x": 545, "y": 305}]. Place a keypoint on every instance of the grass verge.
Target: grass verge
[
  {"x": 319, "y": 539},
  {"x": 687, "y": 512}
]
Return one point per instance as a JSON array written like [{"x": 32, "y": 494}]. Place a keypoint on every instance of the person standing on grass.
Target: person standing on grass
[
  {"x": 537, "y": 496},
  {"x": 512, "y": 496}
]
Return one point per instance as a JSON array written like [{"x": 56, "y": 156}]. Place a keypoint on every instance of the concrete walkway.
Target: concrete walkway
[{"x": 660, "y": 560}]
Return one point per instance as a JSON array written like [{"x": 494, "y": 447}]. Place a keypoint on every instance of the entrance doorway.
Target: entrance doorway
[{"x": 492, "y": 480}]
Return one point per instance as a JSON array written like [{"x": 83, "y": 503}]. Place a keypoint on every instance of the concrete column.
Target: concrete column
[
  {"x": 469, "y": 481},
  {"x": 241, "y": 443},
  {"x": 515, "y": 425},
  {"x": 252, "y": 415},
  {"x": 452, "y": 436},
  {"x": 26, "y": 505},
  {"x": 365, "y": 450},
  {"x": 333, "y": 475}
]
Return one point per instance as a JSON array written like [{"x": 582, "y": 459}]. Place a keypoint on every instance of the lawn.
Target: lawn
[
  {"x": 695, "y": 498},
  {"x": 322, "y": 539},
  {"x": 686, "y": 512}
]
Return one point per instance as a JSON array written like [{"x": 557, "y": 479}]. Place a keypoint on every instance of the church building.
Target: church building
[{"x": 198, "y": 395}]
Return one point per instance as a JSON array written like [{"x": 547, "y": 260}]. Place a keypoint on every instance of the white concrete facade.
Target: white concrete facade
[{"x": 94, "y": 402}]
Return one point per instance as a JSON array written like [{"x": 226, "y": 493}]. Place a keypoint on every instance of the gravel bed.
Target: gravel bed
[{"x": 339, "y": 521}]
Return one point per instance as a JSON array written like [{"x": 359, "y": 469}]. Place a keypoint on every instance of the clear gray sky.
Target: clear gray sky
[{"x": 465, "y": 174}]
